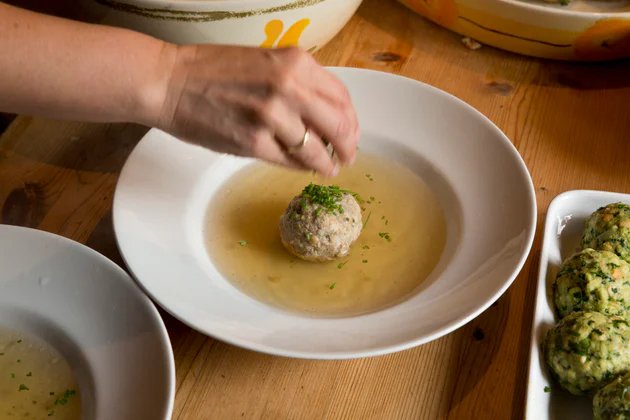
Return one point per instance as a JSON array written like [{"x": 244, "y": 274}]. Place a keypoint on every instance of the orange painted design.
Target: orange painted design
[
  {"x": 291, "y": 38},
  {"x": 273, "y": 30},
  {"x": 442, "y": 12},
  {"x": 607, "y": 39}
]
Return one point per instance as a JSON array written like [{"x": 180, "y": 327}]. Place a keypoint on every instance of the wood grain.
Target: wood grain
[{"x": 570, "y": 122}]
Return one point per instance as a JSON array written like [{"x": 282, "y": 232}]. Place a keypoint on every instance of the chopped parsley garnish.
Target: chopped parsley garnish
[
  {"x": 332, "y": 286},
  {"x": 364, "y": 261},
  {"x": 51, "y": 393},
  {"x": 547, "y": 389},
  {"x": 368, "y": 176},
  {"x": 19, "y": 341},
  {"x": 34, "y": 402},
  {"x": 329, "y": 198},
  {"x": 23, "y": 388},
  {"x": 342, "y": 264},
  {"x": 616, "y": 322},
  {"x": 366, "y": 247},
  {"x": 367, "y": 220},
  {"x": 242, "y": 243},
  {"x": 308, "y": 236},
  {"x": 19, "y": 361},
  {"x": 363, "y": 209},
  {"x": 29, "y": 374},
  {"x": 64, "y": 400},
  {"x": 52, "y": 413},
  {"x": 385, "y": 236},
  {"x": 13, "y": 375}
]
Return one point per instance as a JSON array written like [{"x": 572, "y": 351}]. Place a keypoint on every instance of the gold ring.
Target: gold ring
[{"x": 293, "y": 150}]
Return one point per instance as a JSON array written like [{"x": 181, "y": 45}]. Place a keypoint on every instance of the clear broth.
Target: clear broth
[
  {"x": 34, "y": 379},
  {"x": 375, "y": 274}
]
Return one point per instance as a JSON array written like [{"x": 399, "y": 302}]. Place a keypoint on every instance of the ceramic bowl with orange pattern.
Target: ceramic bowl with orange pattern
[
  {"x": 582, "y": 30},
  {"x": 309, "y": 24}
]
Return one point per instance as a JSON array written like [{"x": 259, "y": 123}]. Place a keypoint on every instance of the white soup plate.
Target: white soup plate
[
  {"x": 93, "y": 313},
  {"x": 479, "y": 178}
]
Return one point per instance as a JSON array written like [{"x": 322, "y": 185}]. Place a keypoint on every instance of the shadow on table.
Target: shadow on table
[
  {"x": 103, "y": 240},
  {"x": 100, "y": 148}
]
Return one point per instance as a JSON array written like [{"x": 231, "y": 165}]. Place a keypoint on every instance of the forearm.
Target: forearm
[{"x": 69, "y": 70}]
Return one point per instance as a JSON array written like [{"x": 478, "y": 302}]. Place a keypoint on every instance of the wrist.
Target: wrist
[{"x": 153, "y": 88}]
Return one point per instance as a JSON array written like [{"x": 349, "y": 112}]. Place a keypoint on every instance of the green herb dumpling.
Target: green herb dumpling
[
  {"x": 586, "y": 350},
  {"x": 608, "y": 229},
  {"x": 593, "y": 280},
  {"x": 613, "y": 401}
]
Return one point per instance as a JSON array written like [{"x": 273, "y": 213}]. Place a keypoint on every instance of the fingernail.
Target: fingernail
[{"x": 335, "y": 170}]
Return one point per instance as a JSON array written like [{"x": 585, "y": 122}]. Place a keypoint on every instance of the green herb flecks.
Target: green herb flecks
[
  {"x": 19, "y": 341},
  {"x": 13, "y": 376},
  {"x": 385, "y": 236},
  {"x": 329, "y": 198},
  {"x": 243, "y": 243},
  {"x": 342, "y": 264},
  {"x": 367, "y": 220},
  {"x": 29, "y": 374},
  {"x": 368, "y": 176},
  {"x": 547, "y": 389},
  {"x": 64, "y": 399},
  {"x": 52, "y": 413},
  {"x": 366, "y": 247},
  {"x": 23, "y": 388},
  {"x": 365, "y": 261},
  {"x": 308, "y": 236},
  {"x": 332, "y": 286}
]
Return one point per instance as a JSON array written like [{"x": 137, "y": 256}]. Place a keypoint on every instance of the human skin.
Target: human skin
[{"x": 244, "y": 101}]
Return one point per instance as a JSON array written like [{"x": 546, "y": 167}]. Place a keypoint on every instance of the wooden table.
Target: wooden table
[{"x": 570, "y": 122}]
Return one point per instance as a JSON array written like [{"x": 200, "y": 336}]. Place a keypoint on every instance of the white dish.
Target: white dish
[
  {"x": 309, "y": 24},
  {"x": 563, "y": 232},
  {"x": 478, "y": 176},
  {"x": 93, "y": 313}
]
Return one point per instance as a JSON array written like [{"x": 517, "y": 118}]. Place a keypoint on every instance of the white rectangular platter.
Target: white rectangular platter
[{"x": 562, "y": 236}]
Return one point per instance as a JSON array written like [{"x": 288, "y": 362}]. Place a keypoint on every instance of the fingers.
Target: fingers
[
  {"x": 336, "y": 125},
  {"x": 290, "y": 132},
  {"x": 267, "y": 148},
  {"x": 323, "y": 102}
]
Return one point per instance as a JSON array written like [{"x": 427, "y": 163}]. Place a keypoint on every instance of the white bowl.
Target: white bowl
[
  {"x": 478, "y": 176},
  {"x": 93, "y": 313},
  {"x": 309, "y": 24}
]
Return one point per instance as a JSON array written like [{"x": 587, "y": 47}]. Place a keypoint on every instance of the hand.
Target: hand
[{"x": 259, "y": 103}]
